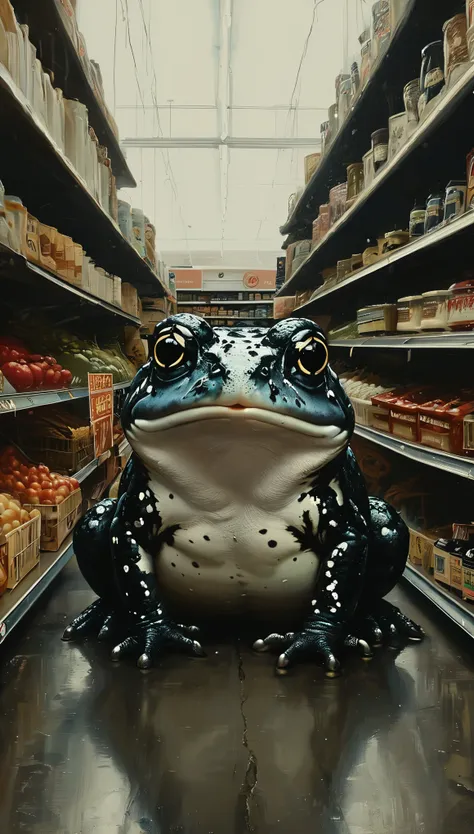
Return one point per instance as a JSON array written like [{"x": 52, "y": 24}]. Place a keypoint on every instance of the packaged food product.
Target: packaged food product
[
  {"x": 371, "y": 254},
  {"x": 398, "y": 133},
  {"x": 470, "y": 42},
  {"x": 470, "y": 179},
  {"x": 434, "y": 314},
  {"x": 355, "y": 181},
  {"x": 441, "y": 424},
  {"x": 403, "y": 413},
  {"x": 324, "y": 133},
  {"x": 369, "y": 168},
  {"x": 343, "y": 268},
  {"x": 355, "y": 80},
  {"x": 411, "y": 96},
  {"x": 337, "y": 202},
  {"x": 365, "y": 57},
  {"x": 46, "y": 236},
  {"x": 32, "y": 239},
  {"x": 395, "y": 239},
  {"x": 381, "y": 27},
  {"x": 59, "y": 255},
  {"x": 432, "y": 74},
  {"x": 409, "y": 311},
  {"x": 417, "y": 220},
  {"x": 344, "y": 100},
  {"x": 455, "y": 200},
  {"x": 455, "y": 44},
  {"x": 434, "y": 211},
  {"x": 378, "y": 318},
  {"x": 4, "y": 228},
  {"x": 380, "y": 147},
  {"x": 311, "y": 162},
  {"x": 333, "y": 122},
  {"x": 461, "y": 306},
  {"x": 16, "y": 215}
]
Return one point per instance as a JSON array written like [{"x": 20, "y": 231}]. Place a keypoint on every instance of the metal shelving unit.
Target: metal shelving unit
[
  {"x": 454, "y": 464},
  {"x": 238, "y": 318},
  {"x": 59, "y": 53},
  {"x": 215, "y": 302},
  {"x": 426, "y": 341},
  {"x": 347, "y": 235},
  {"x": 461, "y": 613},
  {"x": 49, "y": 171},
  {"x": 18, "y": 402}
]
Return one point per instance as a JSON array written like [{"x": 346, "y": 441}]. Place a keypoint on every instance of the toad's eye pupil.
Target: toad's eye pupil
[
  {"x": 168, "y": 353},
  {"x": 312, "y": 357}
]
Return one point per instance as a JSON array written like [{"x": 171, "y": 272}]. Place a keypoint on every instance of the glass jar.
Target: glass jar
[
  {"x": 380, "y": 147},
  {"x": 417, "y": 220},
  {"x": 455, "y": 201},
  {"x": 434, "y": 212},
  {"x": 432, "y": 73}
]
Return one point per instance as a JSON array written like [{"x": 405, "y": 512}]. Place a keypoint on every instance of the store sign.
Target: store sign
[
  {"x": 260, "y": 279},
  {"x": 101, "y": 409},
  {"x": 188, "y": 279}
]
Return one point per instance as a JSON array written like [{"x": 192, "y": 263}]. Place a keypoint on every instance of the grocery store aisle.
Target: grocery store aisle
[{"x": 223, "y": 746}]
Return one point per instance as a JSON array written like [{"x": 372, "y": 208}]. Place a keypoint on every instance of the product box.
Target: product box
[
  {"x": 130, "y": 299},
  {"x": 421, "y": 550},
  {"x": 442, "y": 565},
  {"x": 283, "y": 305},
  {"x": 456, "y": 573},
  {"x": 19, "y": 552},
  {"x": 58, "y": 520},
  {"x": 468, "y": 580},
  {"x": 441, "y": 424}
]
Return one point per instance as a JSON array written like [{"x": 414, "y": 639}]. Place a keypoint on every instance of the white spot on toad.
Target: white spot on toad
[
  {"x": 385, "y": 531},
  {"x": 126, "y": 569}
]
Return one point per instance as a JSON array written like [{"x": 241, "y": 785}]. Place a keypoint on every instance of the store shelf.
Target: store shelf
[
  {"x": 215, "y": 302},
  {"x": 461, "y": 613},
  {"x": 453, "y": 464},
  {"x": 15, "y": 604},
  {"x": 238, "y": 318},
  {"x": 383, "y": 199},
  {"x": 58, "y": 53},
  {"x": 420, "y": 23},
  {"x": 22, "y": 274},
  {"x": 438, "y": 341},
  {"x": 450, "y": 233},
  {"x": 38, "y": 171},
  {"x": 18, "y": 402}
]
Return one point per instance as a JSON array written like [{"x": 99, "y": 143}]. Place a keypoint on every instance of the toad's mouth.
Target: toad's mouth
[{"x": 238, "y": 413}]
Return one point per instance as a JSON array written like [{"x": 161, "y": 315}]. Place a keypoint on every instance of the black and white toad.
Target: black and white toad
[{"x": 241, "y": 501}]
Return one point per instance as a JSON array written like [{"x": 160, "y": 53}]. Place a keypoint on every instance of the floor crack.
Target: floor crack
[{"x": 251, "y": 772}]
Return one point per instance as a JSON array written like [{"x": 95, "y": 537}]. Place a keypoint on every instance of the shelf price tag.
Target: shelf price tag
[{"x": 101, "y": 409}]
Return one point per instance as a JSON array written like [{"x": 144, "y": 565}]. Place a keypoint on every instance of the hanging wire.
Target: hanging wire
[{"x": 164, "y": 151}]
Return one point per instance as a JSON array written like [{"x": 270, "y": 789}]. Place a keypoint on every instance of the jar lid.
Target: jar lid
[
  {"x": 409, "y": 298},
  {"x": 463, "y": 286},
  {"x": 396, "y": 233},
  {"x": 377, "y": 134},
  {"x": 439, "y": 293}
]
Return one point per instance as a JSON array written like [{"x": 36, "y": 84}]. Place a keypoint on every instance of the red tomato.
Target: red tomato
[
  {"x": 34, "y": 485},
  {"x": 47, "y": 502},
  {"x": 66, "y": 378},
  {"x": 50, "y": 360},
  {"x": 62, "y": 490},
  {"x": 42, "y": 469},
  {"x": 19, "y": 486},
  {"x": 59, "y": 498},
  {"x": 47, "y": 495},
  {"x": 46, "y": 483},
  {"x": 16, "y": 474},
  {"x": 31, "y": 496},
  {"x": 37, "y": 372},
  {"x": 20, "y": 376},
  {"x": 74, "y": 483}
]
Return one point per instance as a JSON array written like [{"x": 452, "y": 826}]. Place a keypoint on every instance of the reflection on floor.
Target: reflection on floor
[{"x": 194, "y": 747}]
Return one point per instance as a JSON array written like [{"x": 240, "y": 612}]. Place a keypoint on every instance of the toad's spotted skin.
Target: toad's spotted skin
[{"x": 241, "y": 500}]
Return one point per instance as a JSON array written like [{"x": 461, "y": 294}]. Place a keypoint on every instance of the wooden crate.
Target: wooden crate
[
  {"x": 57, "y": 520},
  {"x": 20, "y": 550},
  {"x": 64, "y": 455}
]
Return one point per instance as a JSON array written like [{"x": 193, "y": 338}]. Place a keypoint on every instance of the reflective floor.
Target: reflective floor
[{"x": 222, "y": 746}]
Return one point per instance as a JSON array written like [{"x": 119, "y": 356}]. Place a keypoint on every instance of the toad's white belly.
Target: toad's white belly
[
  {"x": 250, "y": 563},
  {"x": 221, "y": 487}
]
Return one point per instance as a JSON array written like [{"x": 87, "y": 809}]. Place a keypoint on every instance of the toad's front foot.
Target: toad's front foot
[
  {"x": 97, "y": 620},
  {"x": 148, "y": 641},
  {"x": 320, "y": 640}
]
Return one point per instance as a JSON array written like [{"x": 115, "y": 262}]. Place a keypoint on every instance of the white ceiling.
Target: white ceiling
[{"x": 218, "y": 102}]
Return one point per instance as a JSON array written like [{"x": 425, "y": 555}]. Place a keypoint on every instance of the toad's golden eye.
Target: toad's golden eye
[
  {"x": 169, "y": 350},
  {"x": 312, "y": 356}
]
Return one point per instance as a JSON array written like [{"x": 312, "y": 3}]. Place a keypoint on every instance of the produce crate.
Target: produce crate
[
  {"x": 64, "y": 455},
  {"x": 363, "y": 410},
  {"x": 57, "y": 520},
  {"x": 20, "y": 550}
]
